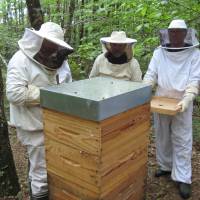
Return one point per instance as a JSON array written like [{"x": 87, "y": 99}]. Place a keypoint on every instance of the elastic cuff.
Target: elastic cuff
[{"x": 39, "y": 196}]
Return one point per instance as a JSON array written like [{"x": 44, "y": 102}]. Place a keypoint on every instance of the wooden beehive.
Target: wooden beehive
[{"x": 100, "y": 158}]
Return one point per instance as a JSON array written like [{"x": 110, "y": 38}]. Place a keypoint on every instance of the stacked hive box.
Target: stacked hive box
[{"x": 96, "y": 137}]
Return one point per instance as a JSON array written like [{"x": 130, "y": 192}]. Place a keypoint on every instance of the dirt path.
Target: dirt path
[
  {"x": 164, "y": 188},
  {"x": 21, "y": 164},
  {"x": 157, "y": 188}
]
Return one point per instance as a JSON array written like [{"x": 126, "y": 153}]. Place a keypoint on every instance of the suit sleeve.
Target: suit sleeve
[{"x": 18, "y": 90}]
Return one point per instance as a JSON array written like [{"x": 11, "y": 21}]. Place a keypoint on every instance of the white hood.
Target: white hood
[
  {"x": 30, "y": 43},
  {"x": 191, "y": 39}
]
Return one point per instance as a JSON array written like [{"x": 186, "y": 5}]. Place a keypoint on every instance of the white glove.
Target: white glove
[
  {"x": 190, "y": 93},
  {"x": 149, "y": 82},
  {"x": 32, "y": 95},
  {"x": 184, "y": 103}
]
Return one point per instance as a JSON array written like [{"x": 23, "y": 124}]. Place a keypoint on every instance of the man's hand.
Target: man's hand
[
  {"x": 32, "y": 95},
  {"x": 183, "y": 105},
  {"x": 190, "y": 93},
  {"x": 149, "y": 82}
]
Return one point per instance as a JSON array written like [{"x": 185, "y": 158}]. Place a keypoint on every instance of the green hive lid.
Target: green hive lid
[{"x": 96, "y": 98}]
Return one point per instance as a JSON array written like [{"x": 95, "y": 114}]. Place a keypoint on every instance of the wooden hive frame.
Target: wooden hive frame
[
  {"x": 88, "y": 160},
  {"x": 164, "y": 105}
]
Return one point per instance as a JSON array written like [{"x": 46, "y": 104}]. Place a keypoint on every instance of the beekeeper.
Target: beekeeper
[
  {"x": 175, "y": 68},
  {"x": 117, "y": 59},
  {"x": 39, "y": 63}
]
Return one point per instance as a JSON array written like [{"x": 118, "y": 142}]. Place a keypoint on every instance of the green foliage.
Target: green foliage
[
  {"x": 140, "y": 19},
  {"x": 83, "y": 57},
  {"x": 92, "y": 19},
  {"x": 196, "y": 119},
  {"x": 8, "y": 46},
  {"x": 196, "y": 129},
  {"x": 12, "y": 22}
]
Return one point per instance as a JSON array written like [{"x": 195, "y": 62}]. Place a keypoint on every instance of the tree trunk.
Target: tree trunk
[
  {"x": 49, "y": 12},
  {"x": 58, "y": 11},
  {"x": 68, "y": 27},
  {"x": 64, "y": 10},
  {"x": 9, "y": 11},
  {"x": 82, "y": 24},
  {"x": 9, "y": 185},
  {"x": 16, "y": 15},
  {"x": 35, "y": 13},
  {"x": 21, "y": 13}
]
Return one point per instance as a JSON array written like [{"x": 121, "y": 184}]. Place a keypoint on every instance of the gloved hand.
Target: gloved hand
[
  {"x": 190, "y": 93},
  {"x": 149, "y": 82},
  {"x": 32, "y": 95},
  {"x": 183, "y": 105}
]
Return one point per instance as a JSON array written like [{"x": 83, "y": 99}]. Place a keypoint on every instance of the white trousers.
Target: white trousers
[
  {"x": 174, "y": 144},
  {"x": 34, "y": 142}
]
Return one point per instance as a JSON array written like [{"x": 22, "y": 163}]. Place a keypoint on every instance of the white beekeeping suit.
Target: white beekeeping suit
[
  {"x": 25, "y": 77},
  {"x": 64, "y": 73},
  {"x": 176, "y": 72},
  {"x": 128, "y": 70}
]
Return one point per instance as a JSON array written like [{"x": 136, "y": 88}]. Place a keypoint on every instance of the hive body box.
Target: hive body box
[{"x": 96, "y": 138}]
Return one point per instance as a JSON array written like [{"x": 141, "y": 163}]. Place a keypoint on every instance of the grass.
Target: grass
[
  {"x": 196, "y": 120},
  {"x": 196, "y": 129}
]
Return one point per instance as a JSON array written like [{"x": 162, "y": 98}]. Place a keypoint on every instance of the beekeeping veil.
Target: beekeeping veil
[
  {"x": 190, "y": 40},
  {"x": 118, "y": 37},
  {"x": 32, "y": 40}
]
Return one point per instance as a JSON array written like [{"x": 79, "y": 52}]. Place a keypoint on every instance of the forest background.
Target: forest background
[{"x": 86, "y": 21}]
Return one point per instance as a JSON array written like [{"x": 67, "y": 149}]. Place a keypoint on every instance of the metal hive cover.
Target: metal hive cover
[{"x": 96, "y": 98}]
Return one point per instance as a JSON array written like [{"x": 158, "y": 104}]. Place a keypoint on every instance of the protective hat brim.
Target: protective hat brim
[
  {"x": 52, "y": 39},
  {"x": 125, "y": 41}
]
